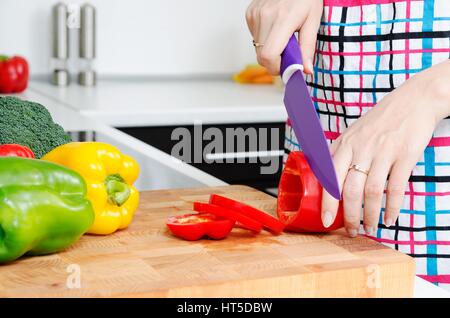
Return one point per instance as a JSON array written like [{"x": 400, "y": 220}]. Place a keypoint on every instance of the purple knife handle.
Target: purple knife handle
[{"x": 291, "y": 54}]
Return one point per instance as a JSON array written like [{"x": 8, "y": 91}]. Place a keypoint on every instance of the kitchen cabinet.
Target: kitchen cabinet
[
  {"x": 235, "y": 164},
  {"x": 151, "y": 110},
  {"x": 158, "y": 169}
]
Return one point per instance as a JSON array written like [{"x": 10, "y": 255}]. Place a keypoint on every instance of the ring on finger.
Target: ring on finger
[
  {"x": 359, "y": 169},
  {"x": 257, "y": 44}
]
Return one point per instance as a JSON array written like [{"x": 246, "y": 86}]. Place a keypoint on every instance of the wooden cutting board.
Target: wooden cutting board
[{"x": 146, "y": 260}]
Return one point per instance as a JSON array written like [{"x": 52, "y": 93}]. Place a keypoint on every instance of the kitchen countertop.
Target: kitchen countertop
[
  {"x": 158, "y": 169},
  {"x": 146, "y": 260},
  {"x": 132, "y": 103},
  {"x": 424, "y": 289},
  {"x": 66, "y": 104}
]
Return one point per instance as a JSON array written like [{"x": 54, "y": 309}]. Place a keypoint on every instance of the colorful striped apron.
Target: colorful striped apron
[{"x": 365, "y": 49}]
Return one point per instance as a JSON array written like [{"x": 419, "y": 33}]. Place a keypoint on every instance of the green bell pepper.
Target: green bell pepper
[{"x": 43, "y": 207}]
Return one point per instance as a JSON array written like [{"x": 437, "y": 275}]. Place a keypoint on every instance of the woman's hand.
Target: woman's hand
[
  {"x": 272, "y": 23},
  {"x": 388, "y": 140}
]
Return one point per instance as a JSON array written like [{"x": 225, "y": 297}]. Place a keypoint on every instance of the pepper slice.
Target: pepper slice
[
  {"x": 269, "y": 222},
  {"x": 243, "y": 220},
  {"x": 194, "y": 226}
]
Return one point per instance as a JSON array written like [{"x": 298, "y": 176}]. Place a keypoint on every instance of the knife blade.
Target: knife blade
[{"x": 304, "y": 119}]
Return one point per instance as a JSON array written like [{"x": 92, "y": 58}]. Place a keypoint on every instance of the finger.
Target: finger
[
  {"x": 373, "y": 194},
  {"x": 395, "y": 192},
  {"x": 276, "y": 41},
  {"x": 334, "y": 146},
  {"x": 307, "y": 40},
  {"x": 266, "y": 20},
  {"x": 249, "y": 17},
  {"x": 342, "y": 159},
  {"x": 352, "y": 196},
  {"x": 256, "y": 19}
]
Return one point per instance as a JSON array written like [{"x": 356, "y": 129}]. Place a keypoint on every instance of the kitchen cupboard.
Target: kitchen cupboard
[{"x": 240, "y": 161}]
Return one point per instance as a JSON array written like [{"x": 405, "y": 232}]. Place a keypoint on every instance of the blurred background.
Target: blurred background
[
  {"x": 131, "y": 72},
  {"x": 138, "y": 37}
]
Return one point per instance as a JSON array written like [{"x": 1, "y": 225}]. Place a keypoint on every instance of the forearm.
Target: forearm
[{"x": 435, "y": 82}]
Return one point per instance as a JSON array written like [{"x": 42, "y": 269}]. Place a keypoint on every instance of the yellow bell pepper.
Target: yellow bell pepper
[{"x": 109, "y": 175}]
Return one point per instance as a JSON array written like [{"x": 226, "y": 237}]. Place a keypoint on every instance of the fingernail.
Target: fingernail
[
  {"x": 370, "y": 231},
  {"x": 327, "y": 219},
  {"x": 388, "y": 222},
  {"x": 352, "y": 233},
  {"x": 310, "y": 66}
]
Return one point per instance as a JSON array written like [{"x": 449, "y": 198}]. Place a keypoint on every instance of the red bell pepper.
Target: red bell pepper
[
  {"x": 300, "y": 198},
  {"x": 268, "y": 221},
  {"x": 14, "y": 150},
  {"x": 193, "y": 227},
  {"x": 13, "y": 74},
  {"x": 243, "y": 220}
]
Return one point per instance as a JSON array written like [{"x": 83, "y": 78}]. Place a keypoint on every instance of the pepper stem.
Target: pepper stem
[
  {"x": 4, "y": 58},
  {"x": 117, "y": 189}
]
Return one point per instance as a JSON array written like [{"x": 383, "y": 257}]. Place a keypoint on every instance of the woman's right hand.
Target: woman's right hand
[{"x": 272, "y": 23}]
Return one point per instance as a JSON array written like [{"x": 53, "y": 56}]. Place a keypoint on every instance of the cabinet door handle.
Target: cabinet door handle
[{"x": 248, "y": 154}]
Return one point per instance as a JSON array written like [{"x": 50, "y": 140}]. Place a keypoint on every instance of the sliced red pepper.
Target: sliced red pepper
[
  {"x": 300, "y": 198},
  {"x": 242, "y": 219},
  {"x": 194, "y": 226},
  {"x": 268, "y": 221},
  {"x": 14, "y": 150}
]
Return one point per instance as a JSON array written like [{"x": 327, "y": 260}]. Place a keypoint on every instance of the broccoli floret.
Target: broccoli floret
[{"x": 29, "y": 124}]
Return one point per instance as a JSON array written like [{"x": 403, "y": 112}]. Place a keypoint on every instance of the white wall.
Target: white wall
[{"x": 139, "y": 37}]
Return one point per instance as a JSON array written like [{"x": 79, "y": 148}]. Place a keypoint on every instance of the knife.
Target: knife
[{"x": 304, "y": 119}]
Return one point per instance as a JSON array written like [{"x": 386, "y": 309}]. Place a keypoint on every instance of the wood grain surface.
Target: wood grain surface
[{"x": 145, "y": 260}]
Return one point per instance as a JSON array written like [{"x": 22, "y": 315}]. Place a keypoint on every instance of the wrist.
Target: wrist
[{"x": 438, "y": 86}]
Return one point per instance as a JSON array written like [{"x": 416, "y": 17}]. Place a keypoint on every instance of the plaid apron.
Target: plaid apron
[{"x": 365, "y": 49}]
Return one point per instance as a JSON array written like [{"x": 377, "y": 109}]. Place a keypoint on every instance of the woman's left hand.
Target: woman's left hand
[{"x": 387, "y": 141}]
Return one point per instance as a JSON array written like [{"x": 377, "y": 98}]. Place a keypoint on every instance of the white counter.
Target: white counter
[
  {"x": 165, "y": 103},
  {"x": 424, "y": 289},
  {"x": 158, "y": 169}
]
